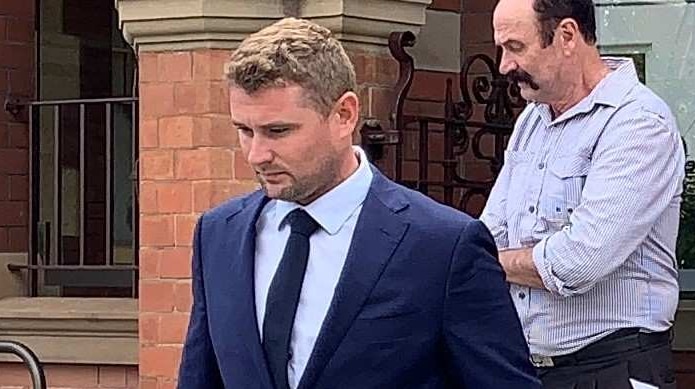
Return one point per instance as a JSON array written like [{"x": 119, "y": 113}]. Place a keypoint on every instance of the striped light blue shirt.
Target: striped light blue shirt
[{"x": 596, "y": 193}]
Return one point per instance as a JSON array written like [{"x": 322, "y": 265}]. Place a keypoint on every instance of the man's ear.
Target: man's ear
[
  {"x": 346, "y": 113},
  {"x": 568, "y": 34}
]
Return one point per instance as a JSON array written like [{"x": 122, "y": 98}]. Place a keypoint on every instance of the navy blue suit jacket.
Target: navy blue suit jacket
[{"x": 421, "y": 303}]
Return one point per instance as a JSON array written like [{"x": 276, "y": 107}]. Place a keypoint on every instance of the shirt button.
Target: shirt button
[
  {"x": 522, "y": 295},
  {"x": 541, "y": 166},
  {"x": 289, "y": 355},
  {"x": 531, "y": 209}
]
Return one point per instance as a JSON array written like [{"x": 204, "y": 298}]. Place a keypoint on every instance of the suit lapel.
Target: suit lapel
[
  {"x": 378, "y": 233},
  {"x": 241, "y": 316}
]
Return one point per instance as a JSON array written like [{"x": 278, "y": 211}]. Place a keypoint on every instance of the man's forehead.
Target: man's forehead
[
  {"x": 519, "y": 12},
  {"x": 514, "y": 8},
  {"x": 514, "y": 20},
  {"x": 268, "y": 105},
  {"x": 519, "y": 30}
]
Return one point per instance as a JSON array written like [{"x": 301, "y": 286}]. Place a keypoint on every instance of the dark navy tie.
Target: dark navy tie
[{"x": 283, "y": 296}]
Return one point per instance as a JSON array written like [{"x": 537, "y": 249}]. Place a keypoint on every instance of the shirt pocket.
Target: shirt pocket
[
  {"x": 514, "y": 157},
  {"x": 518, "y": 163},
  {"x": 565, "y": 185}
]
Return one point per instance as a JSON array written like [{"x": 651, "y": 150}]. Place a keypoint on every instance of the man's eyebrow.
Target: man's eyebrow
[
  {"x": 278, "y": 124},
  {"x": 509, "y": 41},
  {"x": 268, "y": 125}
]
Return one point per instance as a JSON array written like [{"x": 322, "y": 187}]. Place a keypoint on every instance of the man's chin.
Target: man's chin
[
  {"x": 278, "y": 192},
  {"x": 527, "y": 92}
]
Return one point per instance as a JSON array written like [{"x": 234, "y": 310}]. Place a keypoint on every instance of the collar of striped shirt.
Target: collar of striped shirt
[{"x": 610, "y": 91}]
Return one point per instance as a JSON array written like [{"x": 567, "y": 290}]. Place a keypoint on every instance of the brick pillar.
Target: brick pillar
[
  {"x": 189, "y": 158},
  {"x": 16, "y": 80},
  {"x": 476, "y": 27},
  {"x": 189, "y": 162},
  {"x": 377, "y": 73}
]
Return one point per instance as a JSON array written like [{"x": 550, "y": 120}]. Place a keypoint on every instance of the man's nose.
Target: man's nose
[
  {"x": 507, "y": 64},
  {"x": 259, "y": 152}
]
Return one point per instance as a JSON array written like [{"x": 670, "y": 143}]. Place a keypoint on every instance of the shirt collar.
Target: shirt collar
[
  {"x": 613, "y": 88},
  {"x": 335, "y": 207},
  {"x": 609, "y": 91}
]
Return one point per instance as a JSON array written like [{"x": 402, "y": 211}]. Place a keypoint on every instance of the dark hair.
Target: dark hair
[{"x": 551, "y": 12}]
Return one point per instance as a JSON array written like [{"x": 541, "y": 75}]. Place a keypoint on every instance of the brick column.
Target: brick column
[
  {"x": 189, "y": 158},
  {"x": 189, "y": 162},
  {"x": 189, "y": 155},
  {"x": 16, "y": 80},
  {"x": 377, "y": 73}
]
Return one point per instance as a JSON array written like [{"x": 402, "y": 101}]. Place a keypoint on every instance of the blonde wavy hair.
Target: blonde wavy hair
[{"x": 294, "y": 52}]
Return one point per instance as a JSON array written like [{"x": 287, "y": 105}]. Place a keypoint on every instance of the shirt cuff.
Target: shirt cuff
[{"x": 545, "y": 269}]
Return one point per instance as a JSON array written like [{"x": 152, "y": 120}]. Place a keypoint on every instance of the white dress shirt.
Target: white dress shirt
[{"x": 336, "y": 212}]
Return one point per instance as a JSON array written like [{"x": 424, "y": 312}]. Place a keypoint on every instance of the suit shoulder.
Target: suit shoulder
[{"x": 428, "y": 213}]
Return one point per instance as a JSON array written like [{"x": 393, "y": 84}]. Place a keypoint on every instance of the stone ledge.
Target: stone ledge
[
  {"x": 685, "y": 326},
  {"x": 12, "y": 284},
  {"x": 73, "y": 330},
  {"x": 367, "y": 22},
  {"x": 163, "y": 25},
  {"x": 160, "y": 25}
]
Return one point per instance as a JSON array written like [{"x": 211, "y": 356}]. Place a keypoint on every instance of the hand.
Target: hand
[{"x": 519, "y": 266}]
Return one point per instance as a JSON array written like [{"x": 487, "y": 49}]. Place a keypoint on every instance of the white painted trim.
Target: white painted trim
[{"x": 438, "y": 46}]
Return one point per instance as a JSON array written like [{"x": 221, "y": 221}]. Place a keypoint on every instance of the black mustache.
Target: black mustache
[{"x": 518, "y": 76}]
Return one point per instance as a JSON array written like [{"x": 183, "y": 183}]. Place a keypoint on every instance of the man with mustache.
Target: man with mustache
[
  {"x": 585, "y": 210},
  {"x": 332, "y": 276}
]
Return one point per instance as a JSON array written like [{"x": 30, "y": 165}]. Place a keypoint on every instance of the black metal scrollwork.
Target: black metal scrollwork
[
  {"x": 464, "y": 132},
  {"x": 374, "y": 136}
]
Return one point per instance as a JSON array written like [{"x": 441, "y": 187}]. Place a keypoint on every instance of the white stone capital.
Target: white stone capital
[
  {"x": 162, "y": 25},
  {"x": 367, "y": 22}
]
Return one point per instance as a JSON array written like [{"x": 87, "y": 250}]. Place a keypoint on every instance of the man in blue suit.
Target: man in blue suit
[{"x": 332, "y": 276}]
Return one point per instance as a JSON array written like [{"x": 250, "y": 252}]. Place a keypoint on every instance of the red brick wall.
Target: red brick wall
[
  {"x": 189, "y": 162},
  {"x": 476, "y": 27},
  {"x": 685, "y": 369},
  {"x": 446, "y": 5},
  {"x": 16, "y": 78},
  {"x": 16, "y": 376}
]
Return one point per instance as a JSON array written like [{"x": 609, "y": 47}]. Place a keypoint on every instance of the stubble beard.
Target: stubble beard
[{"x": 308, "y": 187}]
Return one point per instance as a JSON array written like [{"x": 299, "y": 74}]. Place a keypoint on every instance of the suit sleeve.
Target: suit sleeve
[
  {"x": 484, "y": 342},
  {"x": 198, "y": 369}
]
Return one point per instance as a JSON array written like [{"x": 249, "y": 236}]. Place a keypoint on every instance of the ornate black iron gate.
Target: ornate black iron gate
[{"x": 434, "y": 155}]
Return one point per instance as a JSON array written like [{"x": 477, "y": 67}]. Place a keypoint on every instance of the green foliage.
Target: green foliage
[{"x": 686, "y": 237}]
